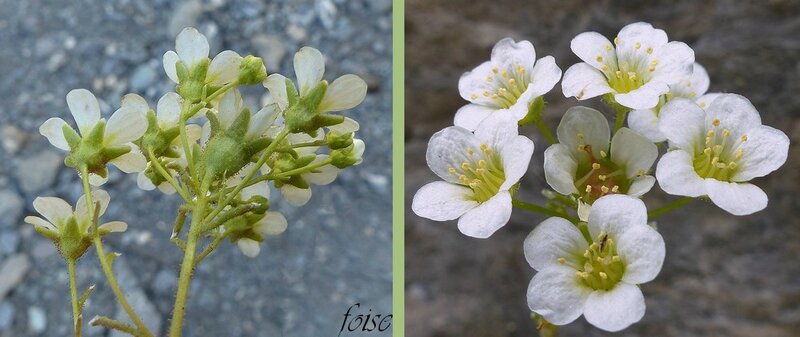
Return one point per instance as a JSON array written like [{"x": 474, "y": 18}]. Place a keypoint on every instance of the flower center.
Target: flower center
[
  {"x": 483, "y": 173},
  {"x": 720, "y": 155},
  {"x": 506, "y": 86},
  {"x": 631, "y": 70},
  {"x": 596, "y": 177},
  {"x": 600, "y": 268}
]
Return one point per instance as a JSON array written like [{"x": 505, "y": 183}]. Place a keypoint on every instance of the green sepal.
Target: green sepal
[
  {"x": 314, "y": 97},
  {"x": 336, "y": 141},
  {"x": 238, "y": 128},
  {"x": 72, "y": 243},
  {"x": 323, "y": 120},
  {"x": 342, "y": 158},
  {"x": 53, "y": 236},
  {"x": 261, "y": 204},
  {"x": 213, "y": 121},
  {"x": 299, "y": 182},
  {"x": 72, "y": 137},
  {"x": 258, "y": 145},
  {"x": 291, "y": 92},
  {"x": 95, "y": 136},
  {"x": 110, "y": 153},
  {"x": 304, "y": 160},
  {"x": 181, "y": 70},
  {"x": 252, "y": 70},
  {"x": 534, "y": 114},
  {"x": 85, "y": 296}
]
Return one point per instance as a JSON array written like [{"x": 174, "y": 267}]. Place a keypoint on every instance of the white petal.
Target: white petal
[
  {"x": 358, "y": 150},
  {"x": 128, "y": 123},
  {"x": 55, "y": 210},
  {"x": 230, "y": 106},
  {"x": 192, "y": 47},
  {"x": 344, "y": 93},
  {"x": 84, "y": 108},
  {"x": 326, "y": 175},
  {"x": 545, "y": 75},
  {"x": 560, "y": 168},
  {"x": 676, "y": 175},
  {"x": 642, "y": 250},
  {"x": 448, "y": 148},
  {"x": 473, "y": 84},
  {"x": 482, "y": 221},
  {"x": 273, "y": 223},
  {"x": 516, "y": 155},
  {"x": 616, "y": 309},
  {"x": 582, "y": 81},
  {"x": 441, "y": 201},
  {"x": 590, "y": 124},
  {"x": 349, "y": 125},
  {"x": 642, "y": 33},
  {"x": 614, "y": 214},
  {"x": 645, "y": 123},
  {"x": 100, "y": 197},
  {"x": 551, "y": 240},
  {"x": 276, "y": 84},
  {"x": 764, "y": 151},
  {"x": 497, "y": 130},
  {"x": 205, "y": 133},
  {"x": 645, "y": 97},
  {"x": 53, "y": 130},
  {"x": 249, "y": 247},
  {"x": 557, "y": 295},
  {"x": 166, "y": 188},
  {"x": 168, "y": 110},
  {"x": 641, "y": 185},
  {"x": 589, "y": 45},
  {"x": 736, "y": 198},
  {"x": 39, "y": 222},
  {"x": 262, "y": 120},
  {"x": 470, "y": 115},
  {"x": 170, "y": 60},
  {"x": 309, "y": 66},
  {"x": 706, "y": 100},
  {"x": 735, "y": 113},
  {"x": 114, "y": 226},
  {"x": 131, "y": 162},
  {"x": 675, "y": 62},
  {"x": 224, "y": 68},
  {"x": 144, "y": 182},
  {"x": 696, "y": 85},
  {"x": 97, "y": 180},
  {"x": 632, "y": 151},
  {"x": 681, "y": 121},
  {"x": 508, "y": 54},
  {"x": 258, "y": 189},
  {"x": 295, "y": 196}
]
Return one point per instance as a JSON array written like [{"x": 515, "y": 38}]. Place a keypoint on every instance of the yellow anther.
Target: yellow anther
[
  {"x": 452, "y": 170},
  {"x": 715, "y": 122},
  {"x": 596, "y": 166},
  {"x": 501, "y": 91},
  {"x": 637, "y": 45},
  {"x": 494, "y": 96},
  {"x": 702, "y": 105},
  {"x": 714, "y": 160},
  {"x": 603, "y": 275},
  {"x": 707, "y": 150},
  {"x": 489, "y": 79},
  {"x": 599, "y": 58},
  {"x": 631, "y": 76},
  {"x": 601, "y": 235},
  {"x": 581, "y": 147},
  {"x": 587, "y": 254},
  {"x": 610, "y": 242},
  {"x": 562, "y": 260},
  {"x": 582, "y": 274},
  {"x": 717, "y": 149},
  {"x": 495, "y": 70},
  {"x": 474, "y": 96},
  {"x": 692, "y": 94},
  {"x": 602, "y": 177},
  {"x": 599, "y": 259},
  {"x": 619, "y": 74},
  {"x": 615, "y": 189},
  {"x": 463, "y": 178},
  {"x": 465, "y": 166},
  {"x": 616, "y": 40},
  {"x": 594, "y": 246},
  {"x": 608, "y": 47},
  {"x": 651, "y": 68},
  {"x": 603, "y": 153},
  {"x": 604, "y": 68},
  {"x": 615, "y": 258},
  {"x": 711, "y": 133},
  {"x": 486, "y": 93},
  {"x": 640, "y": 172},
  {"x": 726, "y": 132},
  {"x": 739, "y": 154},
  {"x": 732, "y": 165},
  {"x": 649, "y": 50},
  {"x": 744, "y": 138},
  {"x": 588, "y": 188},
  {"x": 504, "y": 74},
  {"x": 654, "y": 62},
  {"x": 512, "y": 81},
  {"x": 482, "y": 163},
  {"x": 604, "y": 189},
  {"x": 470, "y": 152}
]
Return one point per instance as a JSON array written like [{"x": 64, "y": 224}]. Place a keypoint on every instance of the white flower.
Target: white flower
[
  {"x": 584, "y": 163},
  {"x": 273, "y": 223},
  {"x": 645, "y": 121},
  {"x": 344, "y": 93},
  {"x": 595, "y": 273},
  {"x": 126, "y": 125},
  {"x": 636, "y": 73},
  {"x": 192, "y": 50},
  {"x": 229, "y": 108},
  {"x": 57, "y": 213},
  {"x": 323, "y": 175},
  {"x": 478, "y": 170},
  {"x": 717, "y": 151},
  {"x": 510, "y": 81}
]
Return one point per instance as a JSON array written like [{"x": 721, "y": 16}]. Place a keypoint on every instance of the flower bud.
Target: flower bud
[
  {"x": 338, "y": 141},
  {"x": 252, "y": 70}
]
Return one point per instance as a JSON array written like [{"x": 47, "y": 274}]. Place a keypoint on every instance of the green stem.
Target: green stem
[
  {"x": 221, "y": 91},
  {"x": 211, "y": 247},
  {"x": 668, "y": 207},
  {"x": 546, "y": 132},
  {"x": 105, "y": 264},
  {"x": 541, "y": 210},
  {"x": 163, "y": 171},
  {"x": 110, "y": 323},
  {"x": 73, "y": 292}
]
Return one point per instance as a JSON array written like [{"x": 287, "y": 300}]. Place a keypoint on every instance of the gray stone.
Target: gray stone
[
  {"x": 326, "y": 11},
  {"x": 37, "y": 320},
  {"x": 12, "y": 139},
  {"x": 165, "y": 281},
  {"x": 12, "y": 272},
  {"x": 11, "y": 206},
  {"x": 136, "y": 297},
  {"x": 9, "y": 242},
  {"x": 142, "y": 78},
  {"x": 6, "y": 315},
  {"x": 38, "y": 172},
  {"x": 271, "y": 49},
  {"x": 185, "y": 15}
]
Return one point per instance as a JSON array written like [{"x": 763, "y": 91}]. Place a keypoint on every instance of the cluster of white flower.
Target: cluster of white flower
[
  {"x": 202, "y": 142},
  {"x": 593, "y": 262}
]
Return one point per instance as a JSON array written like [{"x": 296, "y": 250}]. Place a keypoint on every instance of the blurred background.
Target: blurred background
[
  {"x": 723, "y": 275},
  {"x": 336, "y": 251}
]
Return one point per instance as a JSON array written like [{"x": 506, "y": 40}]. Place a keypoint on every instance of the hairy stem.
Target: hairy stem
[
  {"x": 668, "y": 207},
  {"x": 546, "y": 132},
  {"x": 211, "y": 247},
  {"x": 113, "y": 324},
  {"x": 73, "y": 292},
  {"x": 163, "y": 171}
]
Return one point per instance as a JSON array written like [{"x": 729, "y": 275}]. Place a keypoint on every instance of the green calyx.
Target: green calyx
[
  {"x": 534, "y": 112},
  {"x": 73, "y": 241},
  {"x": 336, "y": 141},
  {"x": 228, "y": 151},
  {"x": 158, "y": 140},
  {"x": 252, "y": 70},
  {"x": 302, "y": 115},
  {"x": 344, "y": 157},
  {"x": 192, "y": 81},
  {"x": 244, "y": 227},
  {"x": 89, "y": 151},
  {"x": 286, "y": 162}
]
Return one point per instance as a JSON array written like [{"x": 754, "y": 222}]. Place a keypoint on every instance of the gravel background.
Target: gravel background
[
  {"x": 723, "y": 275},
  {"x": 336, "y": 251}
]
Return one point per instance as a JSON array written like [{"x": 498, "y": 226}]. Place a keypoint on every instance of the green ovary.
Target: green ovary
[
  {"x": 596, "y": 177},
  {"x": 483, "y": 173},
  {"x": 719, "y": 159}
]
